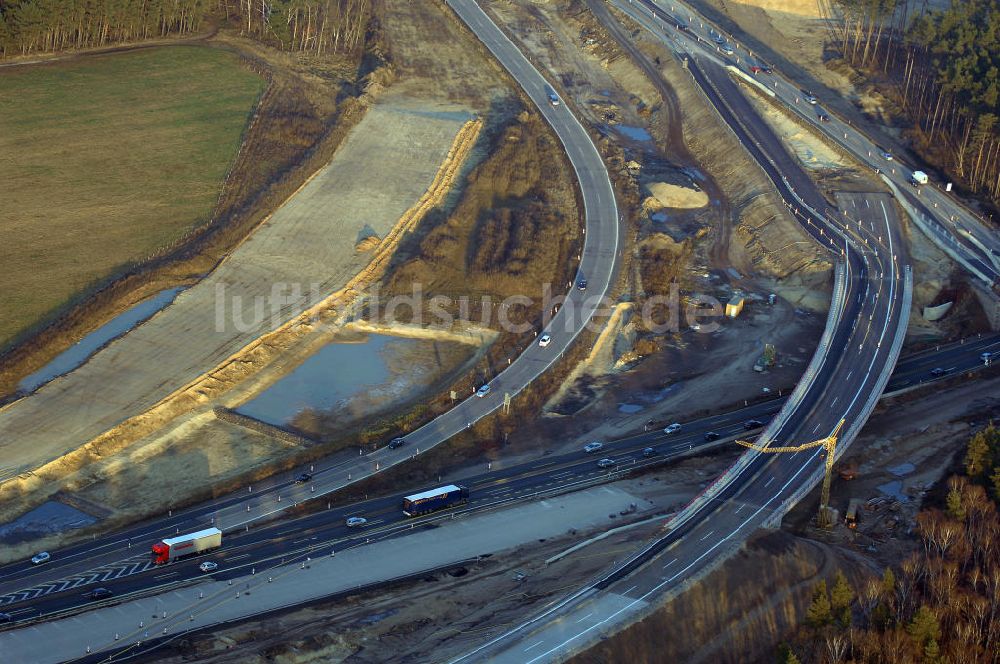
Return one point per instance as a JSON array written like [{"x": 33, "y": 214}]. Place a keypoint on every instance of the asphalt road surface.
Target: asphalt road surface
[
  {"x": 953, "y": 226},
  {"x": 122, "y": 563},
  {"x": 759, "y": 488},
  {"x": 842, "y": 389}
]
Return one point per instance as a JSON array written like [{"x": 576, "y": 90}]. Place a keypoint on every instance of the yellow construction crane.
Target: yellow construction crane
[{"x": 829, "y": 444}]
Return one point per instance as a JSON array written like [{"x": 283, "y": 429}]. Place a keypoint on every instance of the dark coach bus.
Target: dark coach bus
[{"x": 433, "y": 500}]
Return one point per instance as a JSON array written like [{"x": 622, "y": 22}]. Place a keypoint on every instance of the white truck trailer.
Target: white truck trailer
[{"x": 170, "y": 549}]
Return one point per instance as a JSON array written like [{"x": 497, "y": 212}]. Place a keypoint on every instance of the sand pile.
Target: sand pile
[
  {"x": 663, "y": 195},
  {"x": 808, "y": 8}
]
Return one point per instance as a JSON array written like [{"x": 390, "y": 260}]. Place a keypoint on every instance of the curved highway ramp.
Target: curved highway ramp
[{"x": 863, "y": 337}]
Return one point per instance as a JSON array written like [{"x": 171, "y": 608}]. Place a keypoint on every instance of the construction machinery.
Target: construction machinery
[
  {"x": 766, "y": 359},
  {"x": 829, "y": 445}
]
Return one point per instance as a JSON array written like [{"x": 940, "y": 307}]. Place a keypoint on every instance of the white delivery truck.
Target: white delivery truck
[{"x": 170, "y": 549}]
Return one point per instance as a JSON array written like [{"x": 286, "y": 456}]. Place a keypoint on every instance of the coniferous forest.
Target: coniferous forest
[
  {"x": 945, "y": 67},
  {"x": 43, "y": 26}
]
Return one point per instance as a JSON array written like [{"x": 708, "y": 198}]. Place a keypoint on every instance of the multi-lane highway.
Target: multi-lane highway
[
  {"x": 864, "y": 335},
  {"x": 597, "y": 265},
  {"x": 868, "y": 316},
  {"x": 947, "y": 222},
  {"x": 121, "y": 561}
]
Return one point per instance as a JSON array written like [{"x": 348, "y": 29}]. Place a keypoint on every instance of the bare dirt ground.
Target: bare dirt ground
[
  {"x": 937, "y": 279},
  {"x": 410, "y": 134},
  {"x": 435, "y": 90},
  {"x": 796, "y": 30},
  {"x": 904, "y": 451},
  {"x": 733, "y": 615},
  {"x": 753, "y": 615},
  {"x": 814, "y": 153},
  {"x": 301, "y": 255},
  {"x": 800, "y": 38},
  {"x": 684, "y": 378},
  {"x": 671, "y": 376}
]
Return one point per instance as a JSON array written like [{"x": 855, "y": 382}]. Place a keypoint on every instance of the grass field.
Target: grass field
[{"x": 106, "y": 159}]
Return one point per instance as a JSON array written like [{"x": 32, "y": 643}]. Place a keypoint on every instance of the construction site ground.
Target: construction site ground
[
  {"x": 754, "y": 600},
  {"x": 912, "y": 443},
  {"x": 411, "y": 134},
  {"x": 309, "y": 244},
  {"x": 304, "y": 253},
  {"x": 934, "y": 272},
  {"x": 684, "y": 372},
  {"x": 368, "y": 628}
]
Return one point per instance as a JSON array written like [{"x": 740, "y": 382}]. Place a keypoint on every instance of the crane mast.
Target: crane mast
[{"x": 829, "y": 444}]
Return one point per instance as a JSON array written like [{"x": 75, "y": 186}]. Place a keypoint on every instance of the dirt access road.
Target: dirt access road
[{"x": 301, "y": 255}]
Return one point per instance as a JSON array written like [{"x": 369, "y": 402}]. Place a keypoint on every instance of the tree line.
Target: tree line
[
  {"x": 45, "y": 26},
  {"x": 316, "y": 26},
  {"x": 945, "y": 65},
  {"x": 941, "y": 604}
]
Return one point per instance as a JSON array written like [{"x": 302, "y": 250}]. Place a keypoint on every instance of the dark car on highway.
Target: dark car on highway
[
  {"x": 752, "y": 424},
  {"x": 396, "y": 442},
  {"x": 302, "y": 478},
  {"x": 98, "y": 593},
  {"x": 711, "y": 435},
  {"x": 6, "y": 618}
]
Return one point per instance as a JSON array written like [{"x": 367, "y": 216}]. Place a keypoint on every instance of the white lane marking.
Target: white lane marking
[
  {"x": 533, "y": 645},
  {"x": 768, "y": 483},
  {"x": 670, "y": 563},
  {"x": 660, "y": 585},
  {"x": 585, "y": 617},
  {"x": 707, "y": 535},
  {"x": 657, "y": 587},
  {"x": 740, "y": 508},
  {"x": 27, "y": 609}
]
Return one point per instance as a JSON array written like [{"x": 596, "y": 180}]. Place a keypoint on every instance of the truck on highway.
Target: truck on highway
[
  {"x": 918, "y": 177},
  {"x": 433, "y": 500},
  {"x": 170, "y": 549}
]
